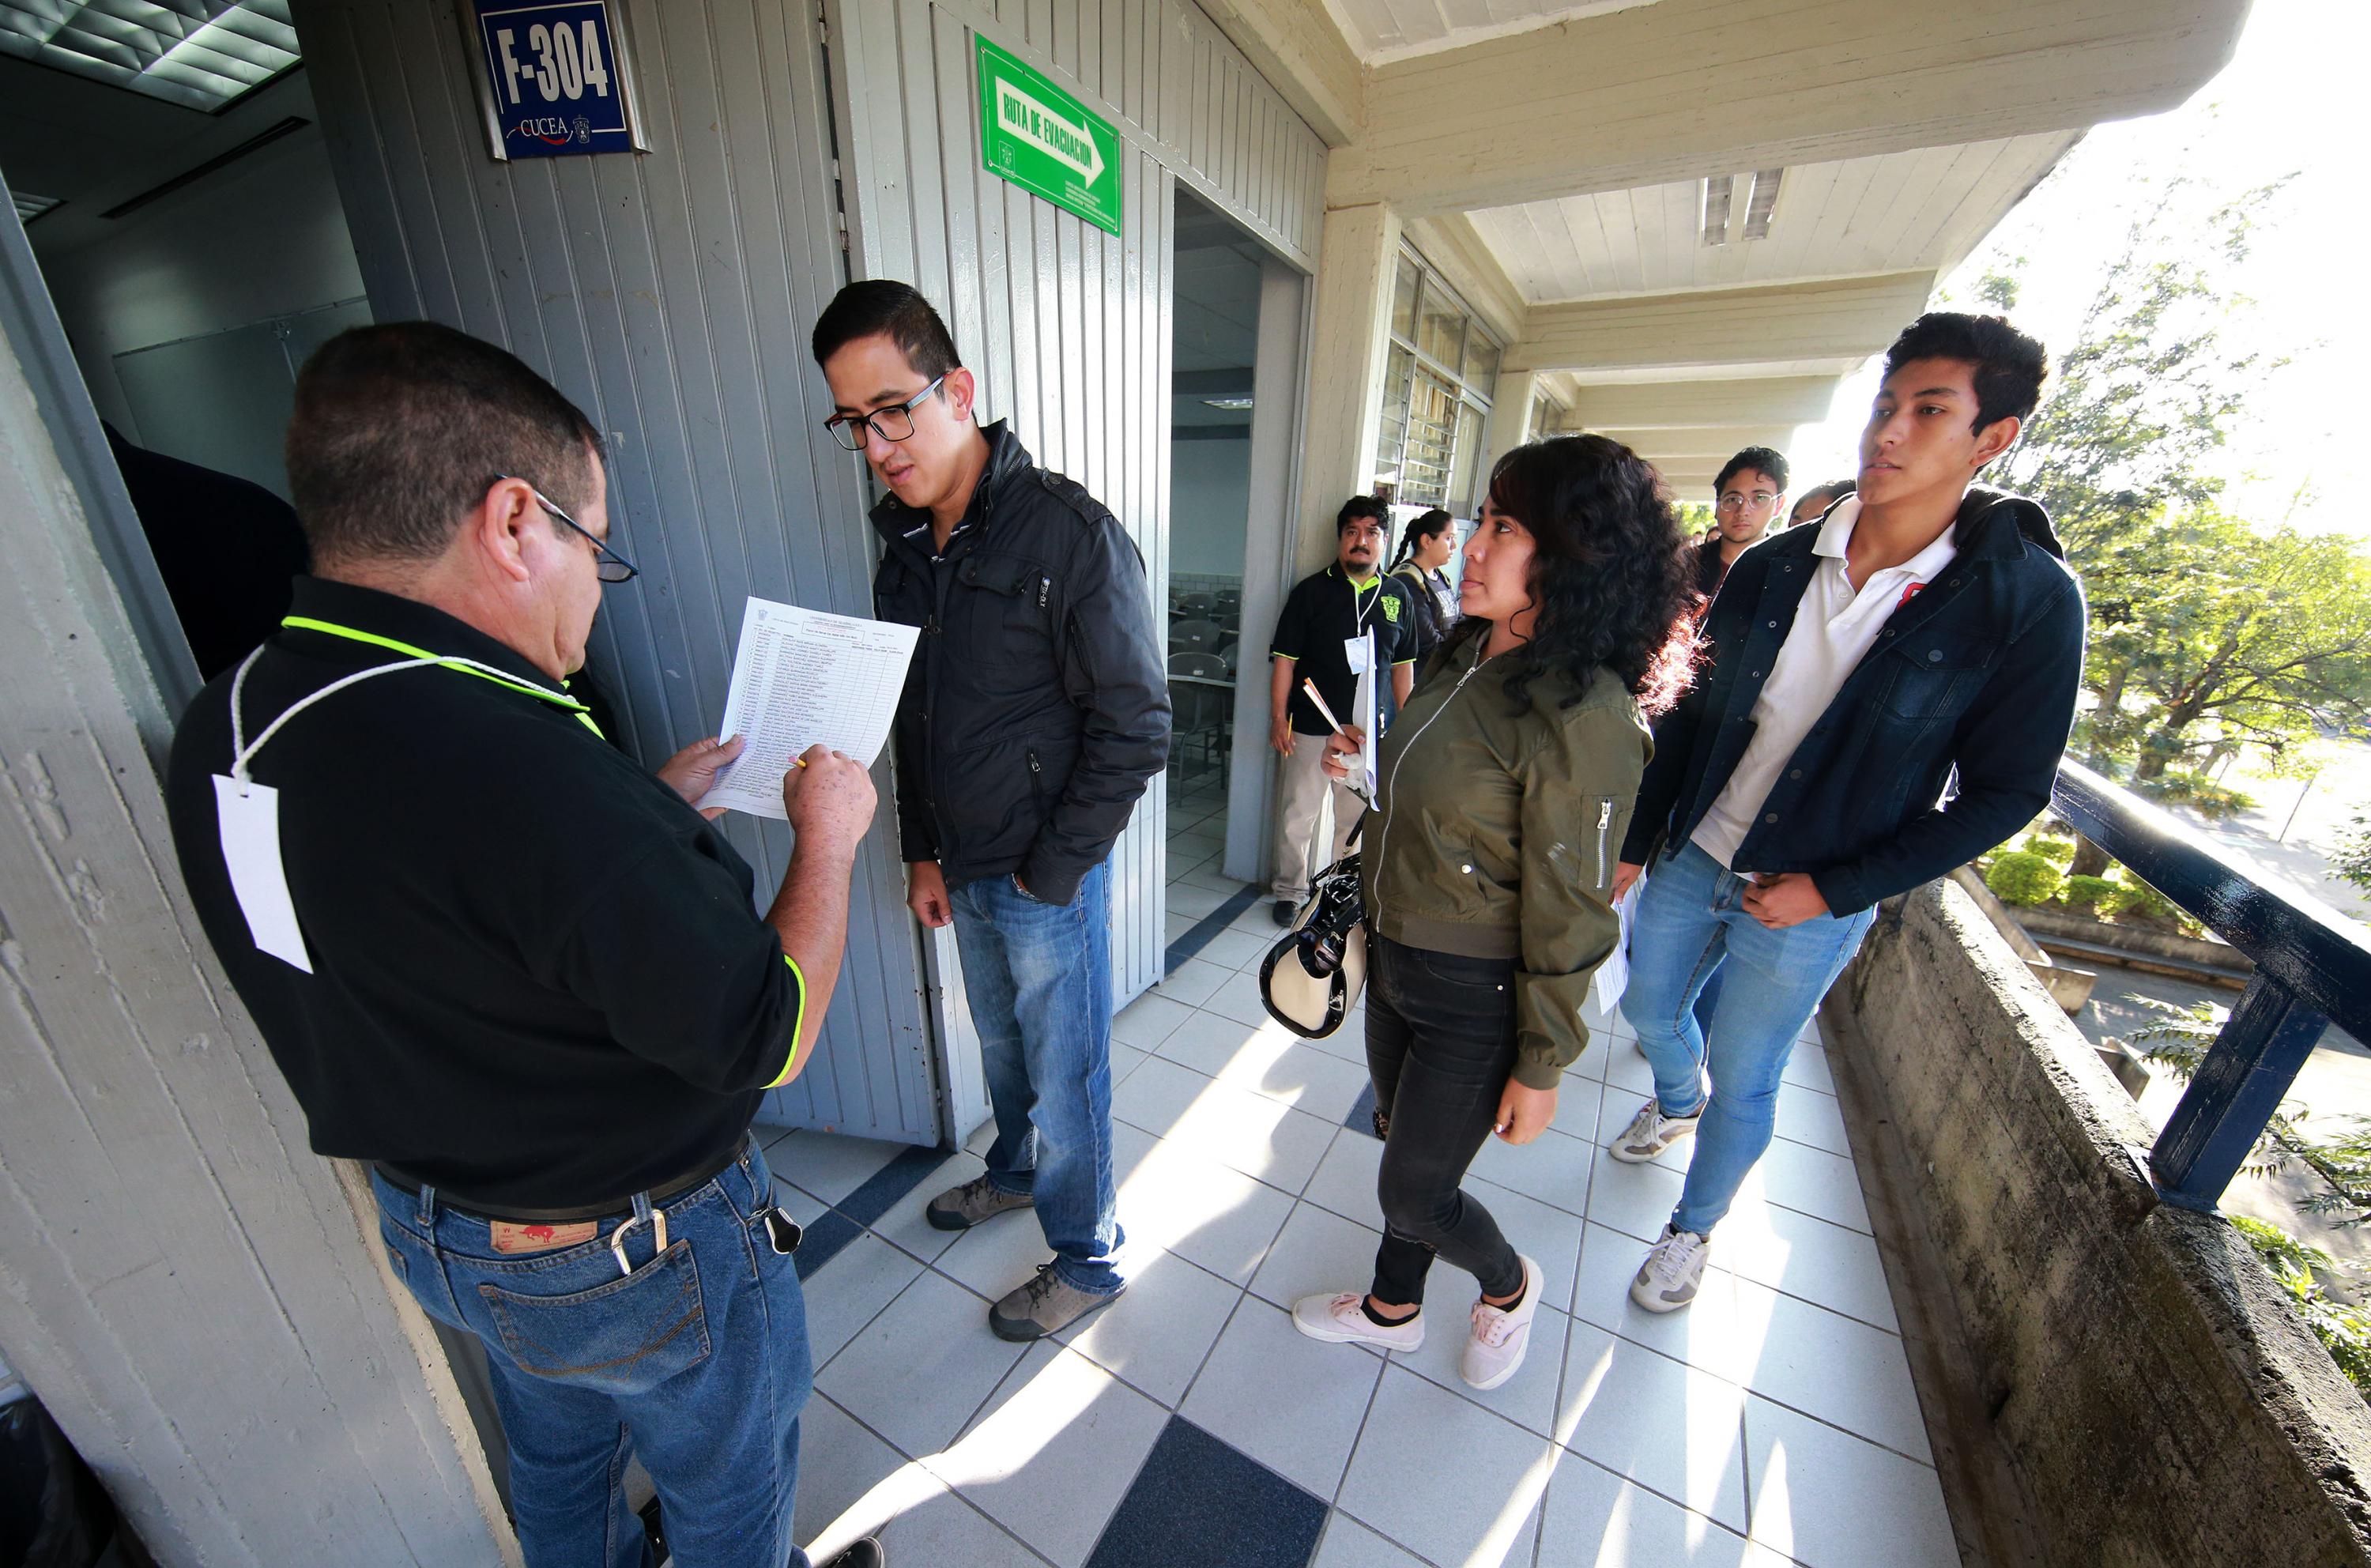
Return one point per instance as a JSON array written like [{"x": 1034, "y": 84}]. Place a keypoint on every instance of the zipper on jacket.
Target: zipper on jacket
[
  {"x": 1383, "y": 838},
  {"x": 1604, "y": 821}
]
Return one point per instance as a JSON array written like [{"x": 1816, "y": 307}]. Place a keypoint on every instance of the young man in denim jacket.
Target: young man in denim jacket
[{"x": 1925, "y": 629}]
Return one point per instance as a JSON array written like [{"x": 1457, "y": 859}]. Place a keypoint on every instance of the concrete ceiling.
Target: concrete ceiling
[
  {"x": 1895, "y": 211},
  {"x": 1383, "y": 30}
]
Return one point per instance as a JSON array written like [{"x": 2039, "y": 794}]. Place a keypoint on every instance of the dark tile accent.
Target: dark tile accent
[
  {"x": 1361, "y": 1118},
  {"x": 830, "y": 1232},
  {"x": 846, "y": 1219},
  {"x": 1198, "y": 1501},
  {"x": 1210, "y": 926},
  {"x": 882, "y": 1190}
]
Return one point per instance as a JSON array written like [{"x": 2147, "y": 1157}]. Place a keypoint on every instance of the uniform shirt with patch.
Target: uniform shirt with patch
[
  {"x": 1320, "y": 615},
  {"x": 539, "y": 978}
]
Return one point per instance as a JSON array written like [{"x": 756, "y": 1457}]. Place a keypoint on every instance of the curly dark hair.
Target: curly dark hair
[
  {"x": 1608, "y": 577},
  {"x": 2009, "y": 367}
]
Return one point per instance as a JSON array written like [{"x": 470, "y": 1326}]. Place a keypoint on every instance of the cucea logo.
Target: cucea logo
[{"x": 547, "y": 128}]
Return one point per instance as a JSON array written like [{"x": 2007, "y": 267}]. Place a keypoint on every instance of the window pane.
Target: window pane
[
  {"x": 1464, "y": 478},
  {"x": 1404, "y": 302},
  {"x": 1481, "y": 365},
  {"x": 1431, "y": 438},
  {"x": 1394, "y": 435},
  {"x": 1441, "y": 329}
]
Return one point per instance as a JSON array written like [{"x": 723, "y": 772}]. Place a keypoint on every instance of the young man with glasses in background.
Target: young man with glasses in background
[
  {"x": 1035, "y": 713},
  {"x": 1749, "y": 495}
]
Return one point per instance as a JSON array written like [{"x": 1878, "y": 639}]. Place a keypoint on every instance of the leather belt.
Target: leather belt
[{"x": 514, "y": 1213}]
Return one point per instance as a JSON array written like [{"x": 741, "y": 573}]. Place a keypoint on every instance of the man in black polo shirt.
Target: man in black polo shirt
[
  {"x": 521, "y": 976},
  {"x": 1348, "y": 602}
]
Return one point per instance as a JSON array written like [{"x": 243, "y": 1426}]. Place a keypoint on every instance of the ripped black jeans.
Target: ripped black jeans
[{"x": 1441, "y": 1043}]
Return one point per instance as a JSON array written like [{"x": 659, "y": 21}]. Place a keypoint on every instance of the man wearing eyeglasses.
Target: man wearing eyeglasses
[
  {"x": 1749, "y": 495},
  {"x": 1035, "y": 712},
  {"x": 519, "y": 978}
]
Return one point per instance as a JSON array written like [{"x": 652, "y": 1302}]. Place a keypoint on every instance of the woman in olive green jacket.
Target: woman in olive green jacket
[{"x": 1504, "y": 788}]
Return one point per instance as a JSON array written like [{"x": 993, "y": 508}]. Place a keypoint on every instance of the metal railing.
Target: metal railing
[{"x": 2313, "y": 968}]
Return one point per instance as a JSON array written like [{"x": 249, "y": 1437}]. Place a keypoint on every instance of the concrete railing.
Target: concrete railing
[{"x": 2161, "y": 1401}]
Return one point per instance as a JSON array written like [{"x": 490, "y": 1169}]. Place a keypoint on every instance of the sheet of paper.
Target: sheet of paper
[
  {"x": 804, "y": 679},
  {"x": 1614, "y": 975},
  {"x": 1366, "y": 711}
]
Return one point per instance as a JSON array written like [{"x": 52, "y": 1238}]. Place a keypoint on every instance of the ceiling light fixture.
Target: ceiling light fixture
[
  {"x": 30, "y": 207},
  {"x": 201, "y": 54},
  {"x": 1718, "y": 193},
  {"x": 1232, "y": 405},
  {"x": 1759, "y": 204}
]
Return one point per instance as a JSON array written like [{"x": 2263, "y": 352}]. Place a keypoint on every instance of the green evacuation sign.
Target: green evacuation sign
[{"x": 1042, "y": 139}]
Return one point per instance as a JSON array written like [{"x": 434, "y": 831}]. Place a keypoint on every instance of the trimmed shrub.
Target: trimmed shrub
[
  {"x": 2186, "y": 787},
  {"x": 2137, "y": 901},
  {"x": 2023, "y": 878},
  {"x": 2059, "y": 852},
  {"x": 2088, "y": 895}
]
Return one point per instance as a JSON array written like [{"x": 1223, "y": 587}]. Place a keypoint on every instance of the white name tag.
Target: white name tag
[
  {"x": 250, "y": 817},
  {"x": 1354, "y": 650}
]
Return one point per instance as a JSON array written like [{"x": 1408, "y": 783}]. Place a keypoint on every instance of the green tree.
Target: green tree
[
  {"x": 2199, "y": 621},
  {"x": 2154, "y": 378},
  {"x": 2352, "y": 858}
]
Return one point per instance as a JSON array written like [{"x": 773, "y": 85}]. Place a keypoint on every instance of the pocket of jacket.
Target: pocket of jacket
[
  {"x": 999, "y": 614},
  {"x": 625, "y": 1336},
  {"x": 1930, "y": 679}
]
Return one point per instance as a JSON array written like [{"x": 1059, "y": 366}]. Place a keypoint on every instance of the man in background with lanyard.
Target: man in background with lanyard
[
  {"x": 520, "y": 976},
  {"x": 1335, "y": 625}
]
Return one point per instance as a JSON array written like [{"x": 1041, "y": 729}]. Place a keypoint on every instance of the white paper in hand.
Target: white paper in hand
[
  {"x": 1366, "y": 714},
  {"x": 248, "y": 816},
  {"x": 1613, "y": 974},
  {"x": 805, "y": 679}
]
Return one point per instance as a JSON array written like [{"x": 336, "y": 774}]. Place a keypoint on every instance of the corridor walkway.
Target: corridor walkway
[{"x": 1190, "y": 1425}]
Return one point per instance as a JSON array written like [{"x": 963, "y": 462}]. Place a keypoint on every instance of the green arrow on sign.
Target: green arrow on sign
[{"x": 1047, "y": 142}]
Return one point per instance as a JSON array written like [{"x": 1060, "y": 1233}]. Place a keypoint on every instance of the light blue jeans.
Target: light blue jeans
[
  {"x": 1039, "y": 978},
  {"x": 1691, "y": 920},
  {"x": 696, "y": 1361}
]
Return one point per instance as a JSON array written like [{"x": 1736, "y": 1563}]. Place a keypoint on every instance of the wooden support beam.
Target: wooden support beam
[
  {"x": 1623, "y": 99},
  {"x": 1638, "y": 406},
  {"x": 1296, "y": 46},
  {"x": 1832, "y": 326}
]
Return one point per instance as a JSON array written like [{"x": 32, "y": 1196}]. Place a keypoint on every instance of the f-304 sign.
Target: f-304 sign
[
  {"x": 1042, "y": 139},
  {"x": 556, "y": 83}
]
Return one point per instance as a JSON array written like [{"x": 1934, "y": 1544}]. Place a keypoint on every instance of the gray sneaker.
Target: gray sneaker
[
  {"x": 1044, "y": 1306},
  {"x": 960, "y": 1208}
]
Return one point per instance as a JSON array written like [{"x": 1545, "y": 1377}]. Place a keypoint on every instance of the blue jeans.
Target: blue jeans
[
  {"x": 1039, "y": 978},
  {"x": 697, "y": 1362},
  {"x": 1691, "y": 920}
]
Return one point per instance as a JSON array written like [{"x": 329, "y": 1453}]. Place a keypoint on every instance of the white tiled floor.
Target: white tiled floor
[{"x": 1773, "y": 1422}]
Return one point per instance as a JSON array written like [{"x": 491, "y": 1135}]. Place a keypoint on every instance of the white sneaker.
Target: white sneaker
[
  {"x": 1650, "y": 1133},
  {"x": 1668, "y": 1279},
  {"x": 1342, "y": 1320},
  {"x": 1500, "y": 1338}
]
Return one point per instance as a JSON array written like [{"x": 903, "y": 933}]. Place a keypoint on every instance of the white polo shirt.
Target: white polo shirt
[{"x": 1835, "y": 627}]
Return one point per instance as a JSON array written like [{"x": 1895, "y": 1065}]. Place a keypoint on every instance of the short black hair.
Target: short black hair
[
  {"x": 884, "y": 307},
  {"x": 2010, "y": 367},
  {"x": 1760, "y": 460},
  {"x": 1833, "y": 491},
  {"x": 400, "y": 428},
  {"x": 1361, "y": 506}
]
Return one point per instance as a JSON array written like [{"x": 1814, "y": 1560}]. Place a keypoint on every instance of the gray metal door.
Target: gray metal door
[
  {"x": 1067, "y": 326},
  {"x": 671, "y": 294}
]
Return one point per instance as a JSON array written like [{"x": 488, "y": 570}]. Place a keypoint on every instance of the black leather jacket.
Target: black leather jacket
[{"x": 1037, "y": 706}]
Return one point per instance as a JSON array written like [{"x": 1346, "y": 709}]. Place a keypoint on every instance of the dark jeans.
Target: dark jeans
[{"x": 1440, "y": 1041}]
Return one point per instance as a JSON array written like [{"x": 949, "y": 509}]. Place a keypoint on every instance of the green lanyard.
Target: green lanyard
[{"x": 583, "y": 714}]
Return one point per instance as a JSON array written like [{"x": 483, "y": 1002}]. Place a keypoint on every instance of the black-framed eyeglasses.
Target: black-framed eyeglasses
[
  {"x": 608, "y": 564},
  {"x": 894, "y": 422}
]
